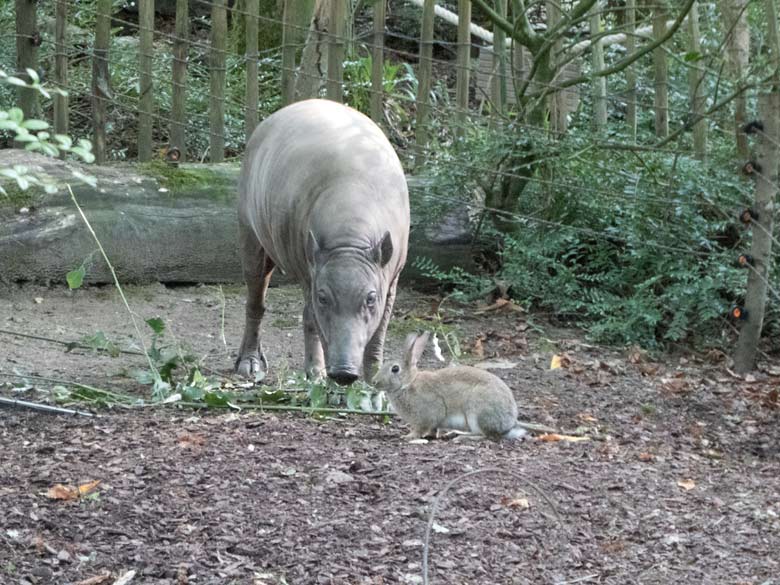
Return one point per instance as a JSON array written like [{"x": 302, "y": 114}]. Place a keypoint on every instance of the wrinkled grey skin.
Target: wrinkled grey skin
[{"x": 323, "y": 197}]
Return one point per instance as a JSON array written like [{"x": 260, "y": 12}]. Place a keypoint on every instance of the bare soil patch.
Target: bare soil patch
[{"x": 680, "y": 481}]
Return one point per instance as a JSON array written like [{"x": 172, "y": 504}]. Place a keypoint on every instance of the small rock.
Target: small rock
[
  {"x": 43, "y": 573},
  {"x": 336, "y": 476}
]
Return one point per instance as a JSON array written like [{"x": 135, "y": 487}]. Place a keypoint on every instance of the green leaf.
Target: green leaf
[
  {"x": 354, "y": 397},
  {"x": 35, "y": 124},
  {"x": 273, "y": 396},
  {"x": 193, "y": 394},
  {"x": 160, "y": 389},
  {"x": 99, "y": 341},
  {"x": 25, "y": 136},
  {"x": 64, "y": 140},
  {"x": 16, "y": 114},
  {"x": 157, "y": 324},
  {"x": 143, "y": 376},
  {"x": 75, "y": 278},
  {"x": 318, "y": 396},
  {"x": 88, "y": 179},
  {"x": 216, "y": 398},
  {"x": 197, "y": 379},
  {"x": 11, "y": 80},
  {"x": 692, "y": 56}
]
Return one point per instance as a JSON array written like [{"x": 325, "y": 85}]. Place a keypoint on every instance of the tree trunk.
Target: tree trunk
[
  {"x": 145, "y": 80},
  {"x": 61, "y": 67},
  {"x": 252, "y": 91},
  {"x": 378, "y": 62},
  {"x": 424, "y": 83},
  {"x": 335, "y": 84},
  {"x": 695, "y": 78},
  {"x": 734, "y": 14},
  {"x": 765, "y": 207},
  {"x": 217, "y": 74},
  {"x": 27, "y": 41},
  {"x": 599, "y": 83},
  {"x": 178, "y": 136},
  {"x": 313, "y": 70},
  {"x": 661, "y": 97},
  {"x": 631, "y": 69},
  {"x": 464, "y": 64},
  {"x": 498, "y": 85},
  {"x": 558, "y": 113},
  {"x": 101, "y": 79}
]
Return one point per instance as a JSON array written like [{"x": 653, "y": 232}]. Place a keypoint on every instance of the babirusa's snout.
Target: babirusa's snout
[{"x": 343, "y": 375}]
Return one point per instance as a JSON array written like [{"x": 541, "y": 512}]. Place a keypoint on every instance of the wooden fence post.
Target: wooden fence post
[
  {"x": 424, "y": 82},
  {"x": 288, "y": 54},
  {"x": 763, "y": 225},
  {"x": 145, "y": 80},
  {"x": 498, "y": 85},
  {"x": 599, "y": 83},
  {"x": 252, "y": 96},
  {"x": 631, "y": 69},
  {"x": 217, "y": 74},
  {"x": 661, "y": 94},
  {"x": 464, "y": 65},
  {"x": 61, "y": 66},
  {"x": 695, "y": 78},
  {"x": 101, "y": 78},
  {"x": 378, "y": 62},
  {"x": 178, "y": 135},
  {"x": 27, "y": 41},
  {"x": 334, "y": 86}
]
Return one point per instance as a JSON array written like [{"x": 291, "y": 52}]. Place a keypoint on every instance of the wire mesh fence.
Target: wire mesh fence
[{"x": 560, "y": 185}]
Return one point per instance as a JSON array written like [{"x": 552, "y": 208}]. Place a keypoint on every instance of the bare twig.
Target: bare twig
[
  {"x": 41, "y": 407},
  {"x": 152, "y": 367},
  {"x": 70, "y": 344},
  {"x": 437, "y": 501}
]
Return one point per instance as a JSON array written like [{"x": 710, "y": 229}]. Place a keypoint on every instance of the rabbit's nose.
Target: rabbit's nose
[{"x": 343, "y": 377}]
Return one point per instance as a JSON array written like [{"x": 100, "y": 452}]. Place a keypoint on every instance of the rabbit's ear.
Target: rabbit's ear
[
  {"x": 415, "y": 345},
  {"x": 408, "y": 349}
]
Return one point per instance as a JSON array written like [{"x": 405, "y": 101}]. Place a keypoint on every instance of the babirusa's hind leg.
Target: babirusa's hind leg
[{"x": 257, "y": 268}]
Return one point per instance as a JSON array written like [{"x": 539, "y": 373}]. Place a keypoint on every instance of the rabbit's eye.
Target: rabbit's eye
[
  {"x": 395, "y": 369},
  {"x": 371, "y": 299}
]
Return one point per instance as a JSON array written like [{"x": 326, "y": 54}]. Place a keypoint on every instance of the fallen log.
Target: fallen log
[{"x": 160, "y": 223}]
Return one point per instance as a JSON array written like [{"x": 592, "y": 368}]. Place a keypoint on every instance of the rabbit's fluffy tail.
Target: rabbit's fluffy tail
[{"x": 515, "y": 434}]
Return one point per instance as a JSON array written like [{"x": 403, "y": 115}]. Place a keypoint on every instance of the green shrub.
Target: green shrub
[{"x": 637, "y": 247}]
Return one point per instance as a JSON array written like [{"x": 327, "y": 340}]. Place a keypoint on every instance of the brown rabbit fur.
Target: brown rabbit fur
[{"x": 460, "y": 398}]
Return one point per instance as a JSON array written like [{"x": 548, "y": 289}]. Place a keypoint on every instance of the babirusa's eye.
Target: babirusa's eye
[
  {"x": 322, "y": 298},
  {"x": 395, "y": 369},
  {"x": 371, "y": 299}
]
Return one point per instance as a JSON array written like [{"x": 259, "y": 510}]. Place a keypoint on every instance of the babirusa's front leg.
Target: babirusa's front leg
[
  {"x": 372, "y": 357},
  {"x": 314, "y": 357}
]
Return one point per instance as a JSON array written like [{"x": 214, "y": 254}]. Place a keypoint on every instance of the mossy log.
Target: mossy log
[{"x": 158, "y": 223}]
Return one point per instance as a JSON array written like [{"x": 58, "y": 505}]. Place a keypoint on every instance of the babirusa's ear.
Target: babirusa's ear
[
  {"x": 383, "y": 251},
  {"x": 416, "y": 350},
  {"x": 312, "y": 249}
]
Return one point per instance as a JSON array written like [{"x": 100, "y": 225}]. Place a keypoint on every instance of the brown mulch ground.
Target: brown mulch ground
[{"x": 679, "y": 484}]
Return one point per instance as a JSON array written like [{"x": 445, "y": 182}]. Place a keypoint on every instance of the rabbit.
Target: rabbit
[{"x": 461, "y": 398}]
